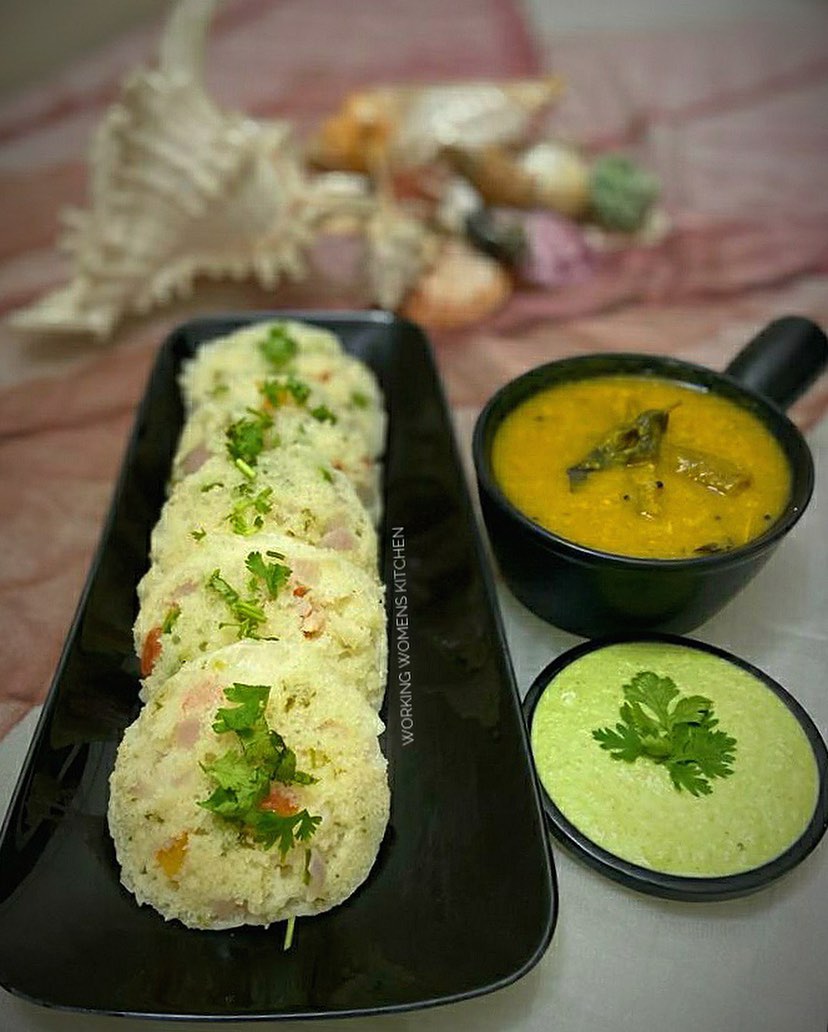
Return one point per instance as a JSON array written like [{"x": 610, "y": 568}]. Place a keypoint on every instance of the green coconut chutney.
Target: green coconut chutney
[{"x": 632, "y": 809}]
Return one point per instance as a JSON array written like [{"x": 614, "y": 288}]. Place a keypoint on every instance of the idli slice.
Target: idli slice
[
  {"x": 295, "y": 492},
  {"x": 280, "y": 836},
  {"x": 243, "y": 436},
  {"x": 255, "y": 351},
  {"x": 236, "y": 373},
  {"x": 281, "y": 588}
]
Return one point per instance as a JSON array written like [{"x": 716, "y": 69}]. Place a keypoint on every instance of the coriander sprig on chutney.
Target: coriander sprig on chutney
[{"x": 677, "y": 731}]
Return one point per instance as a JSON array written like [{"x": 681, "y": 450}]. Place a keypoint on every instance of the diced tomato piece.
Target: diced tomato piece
[
  {"x": 300, "y": 590},
  {"x": 151, "y": 651},
  {"x": 280, "y": 800}
]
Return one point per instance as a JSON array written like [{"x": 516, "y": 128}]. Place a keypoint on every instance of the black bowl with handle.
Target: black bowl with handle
[{"x": 592, "y": 592}]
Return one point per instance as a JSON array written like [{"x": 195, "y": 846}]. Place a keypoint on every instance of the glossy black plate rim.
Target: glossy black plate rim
[
  {"x": 658, "y": 883},
  {"x": 205, "y": 328}
]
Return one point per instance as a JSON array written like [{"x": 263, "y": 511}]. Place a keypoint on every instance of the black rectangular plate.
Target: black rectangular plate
[{"x": 462, "y": 899}]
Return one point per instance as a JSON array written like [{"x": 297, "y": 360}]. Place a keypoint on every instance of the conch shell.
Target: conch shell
[
  {"x": 180, "y": 188},
  {"x": 406, "y": 127}
]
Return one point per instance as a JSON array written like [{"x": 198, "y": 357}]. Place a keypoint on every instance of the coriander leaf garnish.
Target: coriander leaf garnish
[
  {"x": 624, "y": 742},
  {"x": 251, "y": 699},
  {"x": 247, "y": 514},
  {"x": 268, "y": 828},
  {"x": 198, "y": 534},
  {"x": 675, "y": 730},
  {"x": 278, "y": 347},
  {"x": 272, "y": 575},
  {"x": 244, "y": 778},
  {"x": 172, "y": 615},
  {"x": 246, "y": 438},
  {"x": 283, "y": 389},
  {"x": 359, "y": 400},
  {"x": 248, "y": 613},
  {"x": 323, "y": 414}
]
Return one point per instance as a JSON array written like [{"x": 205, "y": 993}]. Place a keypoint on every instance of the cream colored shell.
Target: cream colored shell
[{"x": 180, "y": 188}]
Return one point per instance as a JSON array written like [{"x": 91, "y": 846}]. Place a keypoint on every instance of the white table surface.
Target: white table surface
[{"x": 619, "y": 960}]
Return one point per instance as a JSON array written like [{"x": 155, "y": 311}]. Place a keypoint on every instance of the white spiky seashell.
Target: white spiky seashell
[{"x": 180, "y": 188}]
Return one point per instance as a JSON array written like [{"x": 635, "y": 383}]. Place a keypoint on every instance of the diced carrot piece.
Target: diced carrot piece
[
  {"x": 171, "y": 857},
  {"x": 151, "y": 651}
]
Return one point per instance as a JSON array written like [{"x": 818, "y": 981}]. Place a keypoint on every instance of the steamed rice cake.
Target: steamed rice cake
[
  {"x": 208, "y": 871},
  {"x": 296, "y": 492},
  {"x": 302, "y": 594},
  {"x": 210, "y": 429},
  {"x": 231, "y": 372}
]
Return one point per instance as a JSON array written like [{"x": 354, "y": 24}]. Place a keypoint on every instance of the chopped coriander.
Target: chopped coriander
[
  {"x": 244, "y": 777},
  {"x": 246, "y": 438},
  {"x": 359, "y": 400},
  {"x": 248, "y": 613},
  {"x": 297, "y": 389},
  {"x": 323, "y": 414},
  {"x": 282, "y": 389},
  {"x": 199, "y": 534},
  {"x": 326, "y": 474},
  {"x": 173, "y": 614},
  {"x": 278, "y": 347},
  {"x": 251, "y": 699},
  {"x": 675, "y": 730},
  {"x": 211, "y": 485},
  {"x": 218, "y": 390},
  {"x": 272, "y": 575},
  {"x": 247, "y": 514},
  {"x": 245, "y": 469}
]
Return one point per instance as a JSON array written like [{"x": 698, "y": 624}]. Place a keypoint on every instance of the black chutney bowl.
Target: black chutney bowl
[{"x": 591, "y": 592}]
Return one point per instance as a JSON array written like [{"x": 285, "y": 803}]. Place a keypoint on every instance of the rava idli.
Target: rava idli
[
  {"x": 281, "y": 588},
  {"x": 263, "y": 364},
  {"x": 295, "y": 492},
  {"x": 251, "y": 789},
  {"x": 243, "y": 435}
]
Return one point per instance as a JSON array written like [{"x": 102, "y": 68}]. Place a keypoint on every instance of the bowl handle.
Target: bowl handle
[{"x": 783, "y": 360}]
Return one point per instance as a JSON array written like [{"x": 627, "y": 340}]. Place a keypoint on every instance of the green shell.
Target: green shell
[{"x": 621, "y": 193}]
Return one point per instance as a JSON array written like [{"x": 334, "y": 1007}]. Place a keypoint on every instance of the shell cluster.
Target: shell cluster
[{"x": 180, "y": 188}]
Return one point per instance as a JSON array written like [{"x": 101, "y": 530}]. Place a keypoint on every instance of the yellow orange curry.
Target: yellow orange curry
[{"x": 641, "y": 467}]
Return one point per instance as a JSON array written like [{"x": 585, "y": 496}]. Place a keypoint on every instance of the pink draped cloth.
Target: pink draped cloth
[{"x": 732, "y": 119}]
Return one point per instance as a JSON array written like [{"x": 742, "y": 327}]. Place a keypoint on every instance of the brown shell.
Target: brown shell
[{"x": 461, "y": 288}]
